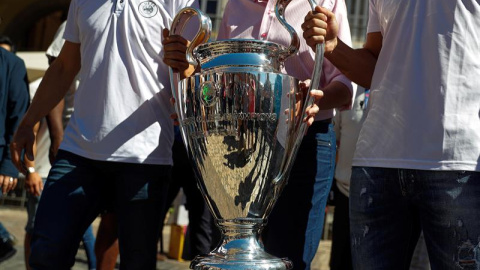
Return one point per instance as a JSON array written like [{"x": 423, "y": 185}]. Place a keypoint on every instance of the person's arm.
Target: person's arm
[
  {"x": 336, "y": 94},
  {"x": 58, "y": 78},
  {"x": 357, "y": 64},
  {"x": 17, "y": 103},
  {"x": 33, "y": 181},
  {"x": 54, "y": 121}
]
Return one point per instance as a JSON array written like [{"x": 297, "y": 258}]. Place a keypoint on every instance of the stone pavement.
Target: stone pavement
[{"x": 14, "y": 220}]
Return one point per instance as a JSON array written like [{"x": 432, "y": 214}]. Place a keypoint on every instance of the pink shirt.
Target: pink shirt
[{"x": 255, "y": 19}]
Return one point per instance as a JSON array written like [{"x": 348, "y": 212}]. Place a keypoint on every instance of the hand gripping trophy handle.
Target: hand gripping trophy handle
[{"x": 202, "y": 36}]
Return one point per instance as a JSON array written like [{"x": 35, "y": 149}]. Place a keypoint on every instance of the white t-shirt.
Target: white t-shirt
[
  {"x": 347, "y": 127},
  {"x": 42, "y": 163},
  {"x": 122, "y": 105},
  {"x": 424, "y": 109}
]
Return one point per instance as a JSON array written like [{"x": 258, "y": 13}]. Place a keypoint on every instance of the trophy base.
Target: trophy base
[
  {"x": 212, "y": 262},
  {"x": 240, "y": 249}
]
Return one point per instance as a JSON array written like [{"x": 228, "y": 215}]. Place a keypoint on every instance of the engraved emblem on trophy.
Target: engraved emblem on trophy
[{"x": 242, "y": 122}]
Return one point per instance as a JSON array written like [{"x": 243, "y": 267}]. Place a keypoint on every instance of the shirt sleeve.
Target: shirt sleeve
[
  {"x": 18, "y": 100},
  {"x": 72, "y": 32},
  {"x": 373, "y": 21},
  {"x": 57, "y": 43}
]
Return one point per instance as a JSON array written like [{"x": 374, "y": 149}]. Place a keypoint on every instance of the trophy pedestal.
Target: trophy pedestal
[{"x": 239, "y": 249}]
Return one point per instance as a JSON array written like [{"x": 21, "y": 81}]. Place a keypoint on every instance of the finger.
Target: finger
[
  {"x": 30, "y": 188},
  {"x": 316, "y": 94},
  {"x": 165, "y": 32},
  {"x": 5, "y": 184},
  {"x": 329, "y": 15},
  {"x": 8, "y": 184},
  {"x": 1, "y": 182},
  {"x": 37, "y": 189},
  {"x": 315, "y": 31},
  {"x": 14, "y": 184},
  {"x": 318, "y": 20},
  {"x": 310, "y": 121},
  {"x": 176, "y": 65},
  {"x": 175, "y": 39},
  {"x": 174, "y": 54},
  {"x": 313, "y": 110}
]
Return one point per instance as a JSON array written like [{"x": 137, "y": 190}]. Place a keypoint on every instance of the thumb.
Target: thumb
[{"x": 165, "y": 32}]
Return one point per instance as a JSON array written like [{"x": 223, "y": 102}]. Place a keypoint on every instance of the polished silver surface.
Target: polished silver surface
[
  {"x": 241, "y": 53},
  {"x": 242, "y": 122},
  {"x": 240, "y": 128}
]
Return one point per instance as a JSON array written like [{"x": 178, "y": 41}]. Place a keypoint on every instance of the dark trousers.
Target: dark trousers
[
  {"x": 295, "y": 225},
  {"x": 340, "y": 256},
  {"x": 202, "y": 234},
  {"x": 78, "y": 189}
]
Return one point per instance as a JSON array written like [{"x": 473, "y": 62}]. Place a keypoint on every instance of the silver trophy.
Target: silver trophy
[{"x": 242, "y": 122}]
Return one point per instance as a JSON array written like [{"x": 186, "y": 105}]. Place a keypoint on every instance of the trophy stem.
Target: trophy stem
[{"x": 240, "y": 249}]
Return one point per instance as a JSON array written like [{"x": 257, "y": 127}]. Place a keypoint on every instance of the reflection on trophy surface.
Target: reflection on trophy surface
[{"x": 242, "y": 122}]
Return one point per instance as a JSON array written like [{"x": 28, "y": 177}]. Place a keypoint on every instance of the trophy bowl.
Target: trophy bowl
[
  {"x": 242, "y": 122},
  {"x": 241, "y": 130}
]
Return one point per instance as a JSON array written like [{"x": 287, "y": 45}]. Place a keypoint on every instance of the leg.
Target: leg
[
  {"x": 70, "y": 201},
  {"x": 106, "y": 244},
  {"x": 450, "y": 216},
  {"x": 141, "y": 194},
  {"x": 199, "y": 227},
  {"x": 420, "y": 259},
  {"x": 384, "y": 224},
  {"x": 300, "y": 210},
  {"x": 89, "y": 244},
  {"x": 32, "y": 204},
  {"x": 340, "y": 256},
  {"x": 177, "y": 182},
  {"x": 6, "y": 248}
]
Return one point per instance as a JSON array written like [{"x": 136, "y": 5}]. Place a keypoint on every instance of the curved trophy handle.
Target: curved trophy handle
[
  {"x": 314, "y": 84},
  {"x": 317, "y": 72},
  {"x": 295, "y": 43},
  {"x": 203, "y": 34},
  {"x": 317, "y": 69}
]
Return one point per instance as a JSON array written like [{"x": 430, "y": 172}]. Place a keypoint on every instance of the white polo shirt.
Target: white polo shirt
[
  {"x": 122, "y": 105},
  {"x": 424, "y": 108}
]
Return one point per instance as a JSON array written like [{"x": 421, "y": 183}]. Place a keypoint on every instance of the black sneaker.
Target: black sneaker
[
  {"x": 12, "y": 239},
  {"x": 6, "y": 251}
]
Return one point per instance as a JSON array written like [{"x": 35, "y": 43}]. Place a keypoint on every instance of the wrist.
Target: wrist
[
  {"x": 30, "y": 170},
  {"x": 330, "y": 46}
]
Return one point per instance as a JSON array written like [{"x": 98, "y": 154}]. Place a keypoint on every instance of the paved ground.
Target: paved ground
[{"x": 14, "y": 220}]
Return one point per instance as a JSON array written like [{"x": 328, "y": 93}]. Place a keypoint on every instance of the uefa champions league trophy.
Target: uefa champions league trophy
[{"x": 242, "y": 122}]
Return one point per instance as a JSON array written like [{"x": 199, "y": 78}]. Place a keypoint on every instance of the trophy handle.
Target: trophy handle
[
  {"x": 295, "y": 42},
  {"x": 317, "y": 68},
  {"x": 314, "y": 84},
  {"x": 203, "y": 34}
]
